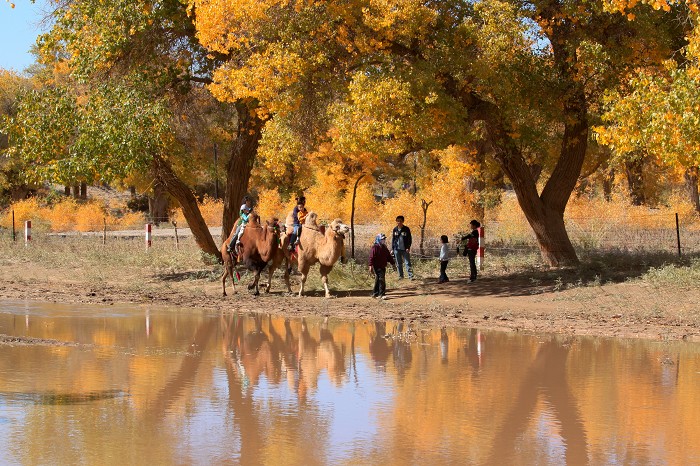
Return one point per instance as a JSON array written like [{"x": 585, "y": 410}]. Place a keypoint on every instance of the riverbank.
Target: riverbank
[{"x": 641, "y": 299}]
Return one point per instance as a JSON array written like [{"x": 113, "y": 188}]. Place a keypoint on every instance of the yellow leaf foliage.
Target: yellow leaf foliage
[
  {"x": 27, "y": 209},
  {"x": 69, "y": 215},
  {"x": 90, "y": 217},
  {"x": 62, "y": 216},
  {"x": 212, "y": 212},
  {"x": 325, "y": 199},
  {"x": 270, "y": 205},
  {"x": 366, "y": 206}
]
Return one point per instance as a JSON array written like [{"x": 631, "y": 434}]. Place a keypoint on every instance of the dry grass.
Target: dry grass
[{"x": 127, "y": 263}]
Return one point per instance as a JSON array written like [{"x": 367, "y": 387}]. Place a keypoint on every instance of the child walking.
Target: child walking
[
  {"x": 379, "y": 257},
  {"x": 444, "y": 259}
]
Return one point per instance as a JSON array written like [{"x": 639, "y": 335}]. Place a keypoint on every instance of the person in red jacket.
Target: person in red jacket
[{"x": 379, "y": 257}]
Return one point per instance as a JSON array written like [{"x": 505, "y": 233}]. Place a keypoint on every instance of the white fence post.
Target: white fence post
[
  {"x": 482, "y": 242},
  {"x": 27, "y": 232},
  {"x": 148, "y": 235}
]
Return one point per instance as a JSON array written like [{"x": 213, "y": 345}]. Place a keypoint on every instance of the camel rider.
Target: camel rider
[
  {"x": 243, "y": 218},
  {"x": 299, "y": 215}
]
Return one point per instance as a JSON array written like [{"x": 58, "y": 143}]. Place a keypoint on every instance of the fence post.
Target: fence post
[
  {"x": 104, "y": 231},
  {"x": 148, "y": 235},
  {"x": 678, "y": 235},
  {"x": 27, "y": 232},
  {"x": 482, "y": 243},
  {"x": 14, "y": 232},
  {"x": 177, "y": 240}
]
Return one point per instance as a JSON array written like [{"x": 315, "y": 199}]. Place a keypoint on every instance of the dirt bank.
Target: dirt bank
[{"x": 630, "y": 309}]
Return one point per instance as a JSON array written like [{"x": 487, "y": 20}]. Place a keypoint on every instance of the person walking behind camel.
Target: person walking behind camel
[
  {"x": 401, "y": 246},
  {"x": 379, "y": 257}
]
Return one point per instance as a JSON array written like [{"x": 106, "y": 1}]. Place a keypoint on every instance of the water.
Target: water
[{"x": 131, "y": 385}]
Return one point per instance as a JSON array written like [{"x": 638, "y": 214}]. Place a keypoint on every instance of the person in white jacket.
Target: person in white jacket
[{"x": 444, "y": 259}]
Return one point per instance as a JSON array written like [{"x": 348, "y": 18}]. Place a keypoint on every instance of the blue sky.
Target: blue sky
[{"x": 19, "y": 27}]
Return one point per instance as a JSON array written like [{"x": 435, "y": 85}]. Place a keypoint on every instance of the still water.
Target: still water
[{"x": 173, "y": 386}]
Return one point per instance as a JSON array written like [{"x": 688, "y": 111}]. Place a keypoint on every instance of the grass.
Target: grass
[{"x": 129, "y": 263}]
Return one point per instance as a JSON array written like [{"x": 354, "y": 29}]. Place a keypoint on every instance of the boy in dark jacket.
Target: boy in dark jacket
[
  {"x": 470, "y": 243},
  {"x": 379, "y": 257}
]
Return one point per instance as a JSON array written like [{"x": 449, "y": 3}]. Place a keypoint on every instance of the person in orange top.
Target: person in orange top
[{"x": 299, "y": 215}]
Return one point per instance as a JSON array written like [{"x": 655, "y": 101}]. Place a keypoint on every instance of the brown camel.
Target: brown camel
[
  {"x": 259, "y": 245},
  {"x": 281, "y": 258},
  {"x": 326, "y": 248}
]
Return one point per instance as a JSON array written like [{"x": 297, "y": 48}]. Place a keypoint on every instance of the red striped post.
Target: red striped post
[
  {"x": 27, "y": 232},
  {"x": 480, "y": 256},
  {"x": 148, "y": 235}
]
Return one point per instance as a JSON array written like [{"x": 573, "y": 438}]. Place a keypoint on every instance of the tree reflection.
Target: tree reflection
[{"x": 547, "y": 376}]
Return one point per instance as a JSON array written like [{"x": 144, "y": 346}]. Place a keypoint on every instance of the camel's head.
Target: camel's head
[
  {"x": 339, "y": 228},
  {"x": 274, "y": 225},
  {"x": 254, "y": 219}
]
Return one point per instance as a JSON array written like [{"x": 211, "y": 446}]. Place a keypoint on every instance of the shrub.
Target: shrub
[
  {"x": 90, "y": 217},
  {"x": 26, "y": 209},
  {"x": 62, "y": 215}
]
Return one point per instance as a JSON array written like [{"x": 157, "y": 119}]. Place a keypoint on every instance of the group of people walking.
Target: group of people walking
[{"x": 399, "y": 256}]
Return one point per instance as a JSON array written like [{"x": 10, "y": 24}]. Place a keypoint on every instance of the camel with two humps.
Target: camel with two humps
[
  {"x": 259, "y": 246},
  {"x": 322, "y": 245}
]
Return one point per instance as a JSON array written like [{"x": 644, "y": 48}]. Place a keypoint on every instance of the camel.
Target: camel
[
  {"x": 260, "y": 245},
  {"x": 281, "y": 258},
  {"x": 326, "y": 248}
]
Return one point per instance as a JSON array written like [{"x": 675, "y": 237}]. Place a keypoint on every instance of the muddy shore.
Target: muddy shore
[{"x": 624, "y": 310}]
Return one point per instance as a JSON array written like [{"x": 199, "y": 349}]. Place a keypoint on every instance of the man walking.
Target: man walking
[{"x": 401, "y": 247}]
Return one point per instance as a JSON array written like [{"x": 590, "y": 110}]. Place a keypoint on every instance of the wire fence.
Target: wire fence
[{"x": 653, "y": 232}]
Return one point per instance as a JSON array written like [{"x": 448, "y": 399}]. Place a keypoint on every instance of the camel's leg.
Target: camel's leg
[
  {"x": 269, "y": 278},
  {"x": 229, "y": 270},
  {"x": 255, "y": 283},
  {"x": 223, "y": 279},
  {"x": 286, "y": 275},
  {"x": 274, "y": 265},
  {"x": 304, "y": 269},
  {"x": 325, "y": 270}
]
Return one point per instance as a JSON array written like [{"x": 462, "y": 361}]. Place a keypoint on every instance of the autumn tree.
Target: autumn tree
[
  {"x": 153, "y": 46},
  {"x": 12, "y": 183},
  {"x": 400, "y": 76},
  {"x": 654, "y": 118}
]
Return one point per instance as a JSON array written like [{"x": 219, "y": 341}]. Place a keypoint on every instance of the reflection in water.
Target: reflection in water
[{"x": 175, "y": 387}]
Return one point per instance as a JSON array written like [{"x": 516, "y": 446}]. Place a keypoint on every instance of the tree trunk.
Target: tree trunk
[
  {"x": 165, "y": 176},
  {"x": 352, "y": 217},
  {"x": 424, "y": 205},
  {"x": 634, "y": 170},
  {"x": 66, "y": 190},
  {"x": 243, "y": 152},
  {"x": 158, "y": 204},
  {"x": 608, "y": 179},
  {"x": 691, "y": 183},
  {"x": 83, "y": 190},
  {"x": 76, "y": 191},
  {"x": 545, "y": 212}
]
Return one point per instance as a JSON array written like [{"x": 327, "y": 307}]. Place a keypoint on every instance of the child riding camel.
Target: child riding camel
[
  {"x": 299, "y": 216},
  {"x": 243, "y": 218}
]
